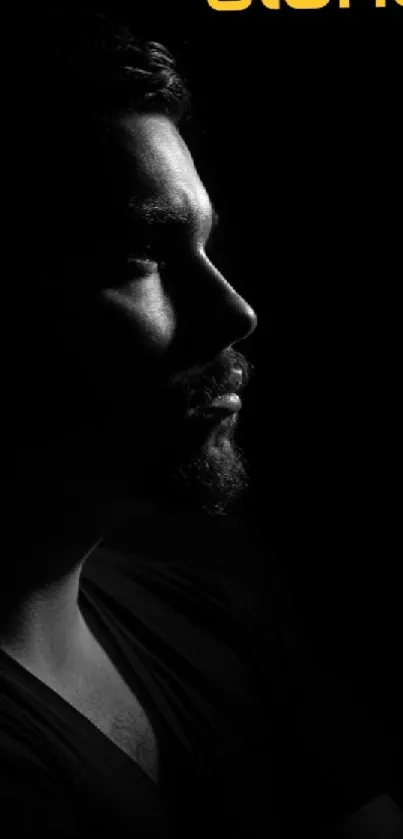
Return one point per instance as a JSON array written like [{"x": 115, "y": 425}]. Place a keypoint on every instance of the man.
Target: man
[{"x": 131, "y": 696}]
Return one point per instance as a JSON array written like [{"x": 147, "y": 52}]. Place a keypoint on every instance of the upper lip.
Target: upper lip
[{"x": 235, "y": 380}]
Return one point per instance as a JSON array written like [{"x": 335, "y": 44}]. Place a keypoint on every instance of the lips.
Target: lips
[
  {"x": 226, "y": 403},
  {"x": 229, "y": 402}
]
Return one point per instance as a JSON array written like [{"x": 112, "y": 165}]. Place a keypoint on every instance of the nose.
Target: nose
[
  {"x": 242, "y": 312},
  {"x": 228, "y": 312},
  {"x": 217, "y": 316}
]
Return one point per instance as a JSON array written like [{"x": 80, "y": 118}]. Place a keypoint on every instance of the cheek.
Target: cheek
[{"x": 146, "y": 313}]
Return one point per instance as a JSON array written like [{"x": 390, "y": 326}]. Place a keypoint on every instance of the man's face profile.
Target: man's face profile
[{"x": 151, "y": 326}]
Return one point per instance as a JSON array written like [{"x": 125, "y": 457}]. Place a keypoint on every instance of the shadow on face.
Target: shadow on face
[{"x": 138, "y": 326}]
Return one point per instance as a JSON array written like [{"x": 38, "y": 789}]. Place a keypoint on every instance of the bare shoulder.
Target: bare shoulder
[{"x": 381, "y": 818}]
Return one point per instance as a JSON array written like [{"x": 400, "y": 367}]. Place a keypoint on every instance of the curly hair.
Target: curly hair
[{"x": 96, "y": 60}]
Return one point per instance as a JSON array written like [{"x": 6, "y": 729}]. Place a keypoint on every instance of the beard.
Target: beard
[
  {"x": 201, "y": 465},
  {"x": 172, "y": 451},
  {"x": 214, "y": 478},
  {"x": 217, "y": 478}
]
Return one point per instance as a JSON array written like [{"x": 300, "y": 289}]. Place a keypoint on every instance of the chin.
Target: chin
[
  {"x": 204, "y": 472},
  {"x": 216, "y": 478}
]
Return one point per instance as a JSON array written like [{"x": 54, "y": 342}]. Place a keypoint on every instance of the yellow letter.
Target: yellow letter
[
  {"x": 229, "y": 5},
  {"x": 271, "y": 4},
  {"x": 307, "y": 4}
]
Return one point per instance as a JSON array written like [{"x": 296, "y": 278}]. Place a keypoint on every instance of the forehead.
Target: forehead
[{"x": 163, "y": 180}]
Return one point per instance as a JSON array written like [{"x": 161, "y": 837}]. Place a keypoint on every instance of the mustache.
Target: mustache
[{"x": 201, "y": 385}]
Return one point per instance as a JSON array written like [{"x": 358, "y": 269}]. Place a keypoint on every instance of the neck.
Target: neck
[
  {"x": 45, "y": 630},
  {"x": 41, "y": 625}
]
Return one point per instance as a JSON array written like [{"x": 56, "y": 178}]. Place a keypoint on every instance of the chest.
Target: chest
[
  {"x": 106, "y": 700},
  {"x": 127, "y": 725}
]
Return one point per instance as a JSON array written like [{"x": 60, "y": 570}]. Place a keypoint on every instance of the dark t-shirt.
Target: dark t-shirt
[{"x": 251, "y": 740}]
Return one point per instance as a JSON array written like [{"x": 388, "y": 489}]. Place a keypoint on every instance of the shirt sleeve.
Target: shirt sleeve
[
  {"x": 41, "y": 796},
  {"x": 32, "y": 801},
  {"x": 330, "y": 755}
]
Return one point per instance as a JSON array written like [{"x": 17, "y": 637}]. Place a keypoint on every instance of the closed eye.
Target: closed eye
[{"x": 143, "y": 264}]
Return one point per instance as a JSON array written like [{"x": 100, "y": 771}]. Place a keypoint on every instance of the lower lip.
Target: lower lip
[
  {"x": 229, "y": 402},
  {"x": 223, "y": 406}
]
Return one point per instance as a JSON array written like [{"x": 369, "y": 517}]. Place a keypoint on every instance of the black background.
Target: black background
[{"x": 296, "y": 132}]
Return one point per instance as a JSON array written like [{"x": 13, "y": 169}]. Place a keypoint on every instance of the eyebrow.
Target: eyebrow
[{"x": 160, "y": 215}]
